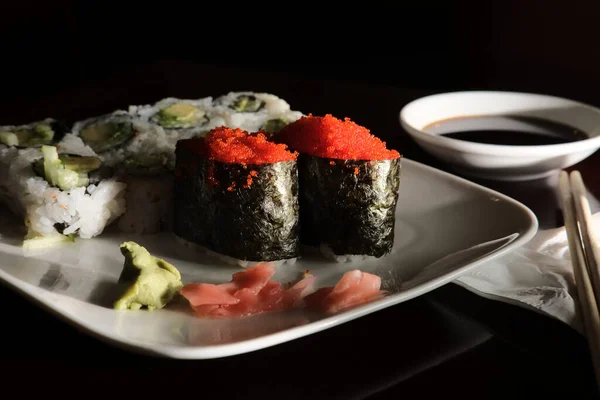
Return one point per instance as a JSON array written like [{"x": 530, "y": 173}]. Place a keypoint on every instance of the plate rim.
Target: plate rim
[{"x": 293, "y": 333}]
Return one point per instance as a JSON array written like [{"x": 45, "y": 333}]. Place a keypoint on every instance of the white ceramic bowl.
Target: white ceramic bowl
[{"x": 502, "y": 162}]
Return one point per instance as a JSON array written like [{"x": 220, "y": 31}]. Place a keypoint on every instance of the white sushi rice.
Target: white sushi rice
[
  {"x": 72, "y": 144},
  {"x": 201, "y": 250},
  {"x": 85, "y": 211}
]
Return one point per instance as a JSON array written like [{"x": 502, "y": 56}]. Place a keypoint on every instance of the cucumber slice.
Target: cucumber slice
[
  {"x": 67, "y": 174},
  {"x": 51, "y": 164},
  {"x": 67, "y": 179}
]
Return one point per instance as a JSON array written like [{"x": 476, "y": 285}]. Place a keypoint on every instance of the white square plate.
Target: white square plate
[{"x": 445, "y": 226}]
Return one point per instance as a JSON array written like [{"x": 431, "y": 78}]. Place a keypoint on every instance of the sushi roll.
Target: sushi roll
[
  {"x": 100, "y": 135},
  {"x": 180, "y": 118},
  {"x": 349, "y": 185},
  {"x": 149, "y": 195},
  {"x": 35, "y": 134},
  {"x": 119, "y": 136},
  {"x": 253, "y": 112},
  {"x": 141, "y": 156},
  {"x": 236, "y": 195},
  {"x": 59, "y": 196}
]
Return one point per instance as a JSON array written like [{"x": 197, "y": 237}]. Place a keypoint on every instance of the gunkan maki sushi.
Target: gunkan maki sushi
[
  {"x": 349, "y": 185},
  {"x": 236, "y": 195}
]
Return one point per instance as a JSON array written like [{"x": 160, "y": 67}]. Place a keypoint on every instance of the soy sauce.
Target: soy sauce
[{"x": 506, "y": 130}]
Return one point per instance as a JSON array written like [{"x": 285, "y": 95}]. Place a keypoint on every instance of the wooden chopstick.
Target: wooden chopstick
[
  {"x": 590, "y": 240},
  {"x": 588, "y": 305}
]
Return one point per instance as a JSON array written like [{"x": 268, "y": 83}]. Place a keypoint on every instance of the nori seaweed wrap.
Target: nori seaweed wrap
[
  {"x": 349, "y": 186},
  {"x": 348, "y": 205},
  {"x": 244, "y": 211}
]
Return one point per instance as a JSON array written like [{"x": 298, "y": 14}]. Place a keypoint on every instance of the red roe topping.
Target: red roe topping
[
  {"x": 329, "y": 137},
  {"x": 236, "y": 146}
]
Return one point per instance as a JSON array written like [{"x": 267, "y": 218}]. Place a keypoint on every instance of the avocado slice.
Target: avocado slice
[
  {"x": 103, "y": 136},
  {"x": 152, "y": 281},
  {"x": 65, "y": 171},
  {"x": 274, "y": 125},
  {"x": 180, "y": 115},
  {"x": 80, "y": 164},
  {"x": 247, "y": 103},
  {"x": 38, "y": 135}
]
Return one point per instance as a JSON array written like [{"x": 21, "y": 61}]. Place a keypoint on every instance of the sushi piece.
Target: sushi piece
[
  {"x": 35, "y": 134},
  {"x": 100, "y": 135},
  {"x": 253, "y": 112},
  {"x": 236, "y": 195},
  {"x": 59, "y": 196},
  {"x": 349, "y": 185},
  {"x": 118, "y": 136},
  {"x": 141, "y": 156},
  {"x": 149, "y": 195},
  {"x": 180, "y": 118}
]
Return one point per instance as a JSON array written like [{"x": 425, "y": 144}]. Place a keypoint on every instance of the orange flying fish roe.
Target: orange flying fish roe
[
  {"x": 236, "y": 146},
  {"x": 330, "y": 137}
]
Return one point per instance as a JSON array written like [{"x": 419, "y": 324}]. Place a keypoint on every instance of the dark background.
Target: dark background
[
  {"x": 550, "y": 47},
  {"x": 70, "y": 59}
]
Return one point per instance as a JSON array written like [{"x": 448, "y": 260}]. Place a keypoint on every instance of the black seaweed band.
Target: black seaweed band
[{"x": 348, "y": 205}]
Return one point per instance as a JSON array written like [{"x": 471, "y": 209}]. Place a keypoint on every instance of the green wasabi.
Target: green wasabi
[{"x": 153, "y": 281}]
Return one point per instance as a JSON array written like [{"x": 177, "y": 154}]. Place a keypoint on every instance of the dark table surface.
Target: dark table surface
[{"x": 447, "y": 342}]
